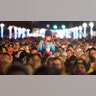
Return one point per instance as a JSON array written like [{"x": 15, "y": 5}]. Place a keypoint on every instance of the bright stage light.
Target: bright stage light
[
  {"x": 60, "y": 33},
  {"x": 19, "y": 32},
  {"x": 28, "y": 30},
  {"x": 48, "y": 25},
  {"x": 55, "y": 27},
  {"x": 67, "y": 33},
  {"x": 91, "y": 24},
  {"x": 23, "y": 32},
  {"x": 80, "y": 32},
  {"x": 2, "y": 30},
  {"x": 15, "y": 32},
  {"x": 10, "y": 32},
  {"x": 63, "y": 26},
  {"x": 42, "y": 31},
  {"x": 85, "y": 26},
  {"x": 76, "y": 32},
  {"x": 80, "y": 28}
]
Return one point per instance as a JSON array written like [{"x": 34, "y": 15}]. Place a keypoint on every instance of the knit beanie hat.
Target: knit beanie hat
[{"x": 48, "y": 33}]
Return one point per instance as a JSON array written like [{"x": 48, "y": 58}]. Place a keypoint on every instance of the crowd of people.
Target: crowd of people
[{"x": 48, "y": 56}]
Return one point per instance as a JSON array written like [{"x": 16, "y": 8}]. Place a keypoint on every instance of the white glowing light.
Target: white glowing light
[
  {"x": 23, "y": 32},
  {"x": 80, "y": 32},
  {"x": 39, "y": 35},
  {"x": 28, "y": 30},
  {"x": 35, "y": 35},
  {"x": 10, "y": 32},
  {"x": 42, "y": 31},
  {"x": 91, "y": 24},
  {"x": 15, "y": 32},
  {"x": 76, "y": 28},
  {"x": 80, "y": 28},
  {"x": 48, "y": 25},
  {"x": 85, "y": 26},
  {"x": 2, "y": 30},
  {"x": 66, "y": 33},
  {"x": 37, "y": 31},
  {"x": 43, "y": 36},
  {"x": 76, "y": 32},
  {"x": 19, "y": 32},
  {"x": 30, "y": 35},
  {"x": 60, "y": 33}
]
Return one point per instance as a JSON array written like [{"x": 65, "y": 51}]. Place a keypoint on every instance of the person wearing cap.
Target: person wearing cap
[
  {"x": 47, "y": 42},
  {"x": 88, "y": 61},
  {"x": 80, "y": 67},
  {"x": 23, "y": 57}
]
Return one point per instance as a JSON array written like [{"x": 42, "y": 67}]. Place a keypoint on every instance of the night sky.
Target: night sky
[{"x": 68, "y": 24}]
